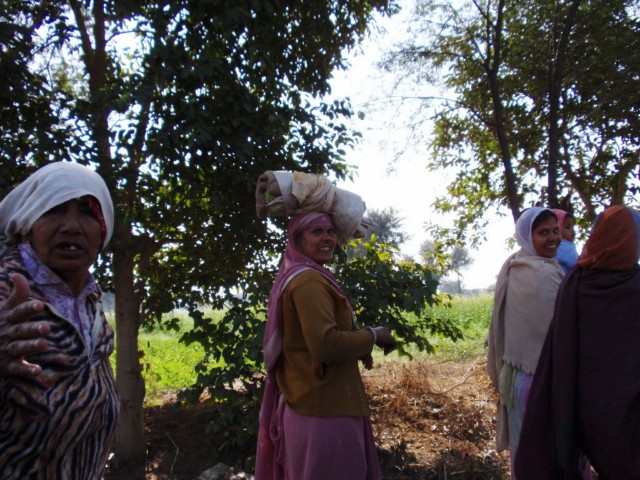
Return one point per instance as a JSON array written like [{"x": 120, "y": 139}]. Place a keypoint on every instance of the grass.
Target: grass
[
  {"x": 169, "y": 365},
  {"x": 472, "y": 315}
]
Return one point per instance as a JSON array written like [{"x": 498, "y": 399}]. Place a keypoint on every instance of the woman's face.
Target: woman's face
[
  {"x": 318, "y": 243},
  {"x": 67, "y": 239},
  {"x": 568, "y": 233},
  {"x": 546, "y": 238}
]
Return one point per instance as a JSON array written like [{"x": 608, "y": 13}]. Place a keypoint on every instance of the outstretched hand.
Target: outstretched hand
[
  {"x": 385, "y": 340},
  {"x": 20, "y": 337}
]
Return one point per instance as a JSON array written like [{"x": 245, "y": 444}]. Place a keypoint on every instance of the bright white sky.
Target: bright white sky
[{"x": 404, "y": 184}]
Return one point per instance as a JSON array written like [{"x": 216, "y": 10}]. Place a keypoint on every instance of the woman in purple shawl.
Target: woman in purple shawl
[
  {"x": 585, "y": 395},
  {"x": 314, "y": 420}
]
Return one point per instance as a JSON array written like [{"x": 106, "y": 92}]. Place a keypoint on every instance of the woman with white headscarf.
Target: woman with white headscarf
[
  {"x": 525, "y": 294},
  {"x": 58, "y": 399}
]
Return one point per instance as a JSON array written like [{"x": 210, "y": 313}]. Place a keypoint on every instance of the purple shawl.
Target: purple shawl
[{"x": 585, "y": 395}]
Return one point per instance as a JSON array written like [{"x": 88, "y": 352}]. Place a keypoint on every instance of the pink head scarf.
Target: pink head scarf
[
  {"x": 294, "y": 262},
  {"x": 561, "y": 214}
]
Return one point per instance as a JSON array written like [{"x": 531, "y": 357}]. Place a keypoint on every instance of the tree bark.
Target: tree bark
[
  {"x": 556, "y": 80},
  {"x": 492, "y": 66},
  {"x": 130, "y": 448}
]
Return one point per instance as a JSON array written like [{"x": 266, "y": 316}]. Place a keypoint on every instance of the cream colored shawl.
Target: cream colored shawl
[{"x": 523, "y": 306}]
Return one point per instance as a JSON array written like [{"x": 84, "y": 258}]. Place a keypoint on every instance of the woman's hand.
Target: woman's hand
[
  {"x": 385, "y": 340},
  {"x": 382, "y": 338},
  {"x": 367, "y": 361},
  {"x": 18, "y": 336}
]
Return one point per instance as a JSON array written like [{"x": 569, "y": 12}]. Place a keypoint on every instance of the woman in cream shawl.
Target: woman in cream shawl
[{"x": 525, "y": 293}]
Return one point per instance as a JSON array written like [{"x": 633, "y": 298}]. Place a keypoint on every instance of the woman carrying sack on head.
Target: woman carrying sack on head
[{"x": 314, "y": 421}]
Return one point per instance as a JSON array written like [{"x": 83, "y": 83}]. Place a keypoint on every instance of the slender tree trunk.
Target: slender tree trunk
[
  {"x": 130, "y": 445},
  {"x": 492, "y": 66},
  {"x": 556, "y": 80},
  {"x": 130, "y": 448},
  {"x": 510, "y": 177}
]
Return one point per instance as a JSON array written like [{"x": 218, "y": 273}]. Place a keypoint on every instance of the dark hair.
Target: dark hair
[{"x": 545, "y": 215}]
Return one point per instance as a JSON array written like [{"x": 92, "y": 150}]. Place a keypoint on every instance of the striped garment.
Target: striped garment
[{"x": 59, "y": 425}]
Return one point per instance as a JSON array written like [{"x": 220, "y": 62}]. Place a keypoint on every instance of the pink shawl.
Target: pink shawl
[{"x": 268, "y": 452}]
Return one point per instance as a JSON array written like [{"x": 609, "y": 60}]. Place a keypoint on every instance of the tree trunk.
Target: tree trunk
[
  {"x": 492, "y": 67},
  {"x": 556, "y": 79},
  {"x": 130, "y": 447}
]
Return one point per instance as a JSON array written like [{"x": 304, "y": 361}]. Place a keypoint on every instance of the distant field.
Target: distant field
[
  {"x": 472, "y": 315},
  {"x": 169, "y": 365}
]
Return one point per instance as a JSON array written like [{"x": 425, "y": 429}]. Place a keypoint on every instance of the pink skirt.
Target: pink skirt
[{"x": 321, "y": 448}]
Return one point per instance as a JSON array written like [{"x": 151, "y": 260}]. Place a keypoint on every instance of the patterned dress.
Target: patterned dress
[{"x": 60, "y": 424}]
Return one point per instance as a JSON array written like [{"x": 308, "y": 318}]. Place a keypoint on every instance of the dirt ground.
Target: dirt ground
[{"x": 432, "y": 421}]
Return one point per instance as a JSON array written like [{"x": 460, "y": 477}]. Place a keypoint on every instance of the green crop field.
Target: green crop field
[{"x": 472, "y": 315}]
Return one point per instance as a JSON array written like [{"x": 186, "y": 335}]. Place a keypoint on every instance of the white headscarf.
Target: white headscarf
[
  {"x": 46, "y": 188},
  {"x": 523, "y": 229}
]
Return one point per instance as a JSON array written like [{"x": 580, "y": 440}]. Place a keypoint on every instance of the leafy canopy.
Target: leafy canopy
[
  {"x": 542, "y": 100},
  {"x": 180, "y": 106}
]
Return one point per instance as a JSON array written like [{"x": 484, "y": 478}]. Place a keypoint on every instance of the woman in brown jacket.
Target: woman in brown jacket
[{"x": 314, "y": 422}]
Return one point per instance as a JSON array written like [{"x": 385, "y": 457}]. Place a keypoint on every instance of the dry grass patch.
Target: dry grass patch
[{"x": 435, "y": 420}]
